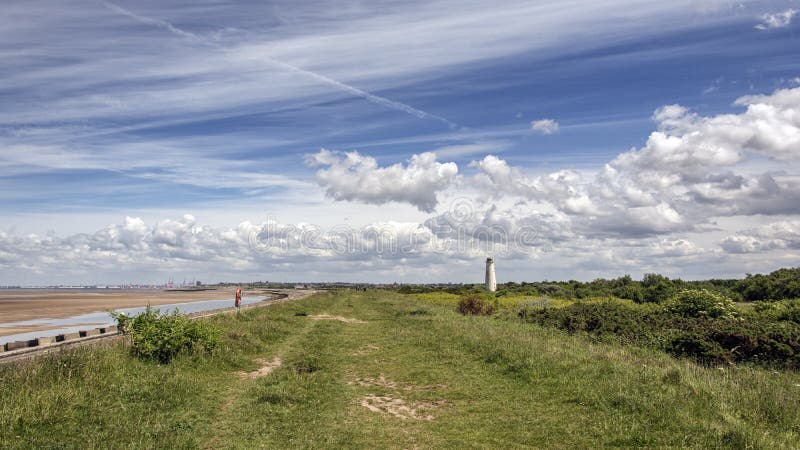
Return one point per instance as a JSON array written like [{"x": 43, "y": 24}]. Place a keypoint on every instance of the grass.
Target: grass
[
  {"x": 516, "y": 300},
  {"x": 484, "y": 382},
  {"x": 448, "y": 299}
]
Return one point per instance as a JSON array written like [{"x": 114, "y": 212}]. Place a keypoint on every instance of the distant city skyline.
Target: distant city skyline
[{"x": 397, "y": 141}]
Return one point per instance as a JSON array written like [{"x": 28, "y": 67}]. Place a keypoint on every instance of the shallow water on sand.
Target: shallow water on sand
[{"x": 97, "y": 319}]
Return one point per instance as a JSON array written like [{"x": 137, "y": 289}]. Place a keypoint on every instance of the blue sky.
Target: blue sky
[{"x": 136, "y": 114}]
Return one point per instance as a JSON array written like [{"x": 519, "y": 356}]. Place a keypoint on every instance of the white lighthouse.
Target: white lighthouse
[{"x": 491, "y": 281}]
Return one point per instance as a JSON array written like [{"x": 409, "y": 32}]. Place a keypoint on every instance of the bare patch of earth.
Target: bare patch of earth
[
  {"x": 400, "y": 408},
  {"x": 265, "y": 369},
  {"x": 337, "y": 318},
  {"x": 365, "y": 350}
]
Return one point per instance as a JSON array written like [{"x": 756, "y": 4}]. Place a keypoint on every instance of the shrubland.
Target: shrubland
[
  {"x": 721, "y": 337},
  {"x": 782, "y": 284},
  {"x": 699, "y": 320}
]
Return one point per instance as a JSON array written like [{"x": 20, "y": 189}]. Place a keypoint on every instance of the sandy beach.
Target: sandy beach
[{"x": 16, "y": 306}]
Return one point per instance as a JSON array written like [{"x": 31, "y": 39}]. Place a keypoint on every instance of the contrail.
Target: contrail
[
  {"x": 155, "y": 22},
  {"x": 366, "y": 95},
  {"x": 163, "y": 24}
]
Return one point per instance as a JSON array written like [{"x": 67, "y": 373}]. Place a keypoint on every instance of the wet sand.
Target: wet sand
[{"x": 16, "y": 306}]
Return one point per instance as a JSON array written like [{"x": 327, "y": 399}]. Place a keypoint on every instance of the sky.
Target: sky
[{"x": 397, "y": 141}]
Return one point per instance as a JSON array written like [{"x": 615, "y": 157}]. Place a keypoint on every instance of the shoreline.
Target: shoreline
[
  {"x": 21, "y": 306},
  {"x": 30, "y": 348}
]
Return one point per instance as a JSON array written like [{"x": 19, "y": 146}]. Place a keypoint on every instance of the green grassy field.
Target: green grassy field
[
  {"x": 514, "y": 300},
  {"x": 410, "y": 374}
]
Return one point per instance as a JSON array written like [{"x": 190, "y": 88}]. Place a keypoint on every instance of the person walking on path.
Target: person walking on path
[{"x": 238, "y": 301}]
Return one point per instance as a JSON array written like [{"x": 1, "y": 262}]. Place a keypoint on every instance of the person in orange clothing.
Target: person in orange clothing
[{"x": 238, "y": 298}]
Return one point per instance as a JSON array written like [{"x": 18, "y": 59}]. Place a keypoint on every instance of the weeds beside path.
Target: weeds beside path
[{"x": 388, "y": 371}]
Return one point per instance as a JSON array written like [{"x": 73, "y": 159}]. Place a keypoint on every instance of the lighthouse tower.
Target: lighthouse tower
[{"x": 491, "y": 281}]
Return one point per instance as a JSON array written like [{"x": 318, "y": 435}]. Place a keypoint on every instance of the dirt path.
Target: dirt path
[
  {"x": 235, "y": 397},
  {"x": 266, "y": 368},
  {"x": 341, "y": 359}
]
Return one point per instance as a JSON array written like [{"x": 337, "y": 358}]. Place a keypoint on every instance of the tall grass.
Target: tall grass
[{"x": 518, "y": 300}]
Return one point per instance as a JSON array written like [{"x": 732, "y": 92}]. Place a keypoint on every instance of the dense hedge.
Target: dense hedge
[{"x": 766, "y": 338}]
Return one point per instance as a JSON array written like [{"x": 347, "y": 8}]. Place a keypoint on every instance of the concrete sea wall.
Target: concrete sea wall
[{"x": 53, "y": 340}]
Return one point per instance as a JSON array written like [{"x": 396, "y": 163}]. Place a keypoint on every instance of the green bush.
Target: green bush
[
  {"x": 539, "y": 303},
  {"x": 698, "y": 347},
  {"x": 781, "y": 284},
  {"x": 162, "y": 337},
  {"x": 791, "y": 311},
  {"x": 475, "y": 306},
  {"x": 656, "y": 288},
  {"x": 598, "y": 319},
  {"x": 782, "y": 310},
  {"x": 768, "y": 338},
  {"x": 701, "y": 303}
]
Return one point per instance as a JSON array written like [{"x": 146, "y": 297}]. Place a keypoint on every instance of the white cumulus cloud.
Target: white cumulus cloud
[
  {"x": 784, "y": 235},
  {"x": 545, "y": 126},
  {"x": 680, "y": 179},
  {"x": 776, "y": 20},
  {"x": 355, "y": 177}
]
